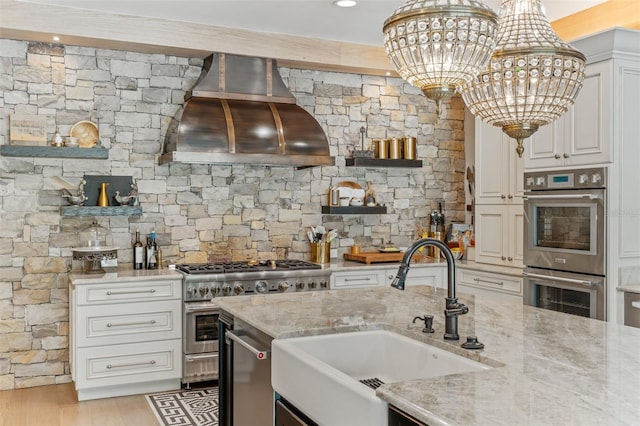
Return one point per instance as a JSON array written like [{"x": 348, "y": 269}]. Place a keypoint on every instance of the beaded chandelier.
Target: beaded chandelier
[
  {"x": 532, "y": 78},
  {"x": 437, "y": 45}
]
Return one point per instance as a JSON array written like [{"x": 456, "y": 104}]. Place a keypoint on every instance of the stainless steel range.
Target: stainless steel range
[{"x": 203, "y": 283}]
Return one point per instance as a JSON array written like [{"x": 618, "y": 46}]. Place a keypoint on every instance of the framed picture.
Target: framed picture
[
  {"x": 460, "y": 227},
  {"x": 28, "y": 130}
]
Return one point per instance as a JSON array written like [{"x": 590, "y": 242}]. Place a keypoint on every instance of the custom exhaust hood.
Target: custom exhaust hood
[{"x": 240, "y": 111}]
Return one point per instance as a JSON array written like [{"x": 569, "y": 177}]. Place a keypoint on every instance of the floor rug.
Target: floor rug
[{"x": 194, "y": 407}]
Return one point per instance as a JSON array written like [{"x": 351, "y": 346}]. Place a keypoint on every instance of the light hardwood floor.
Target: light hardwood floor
[{"x": 56, "y": 405}]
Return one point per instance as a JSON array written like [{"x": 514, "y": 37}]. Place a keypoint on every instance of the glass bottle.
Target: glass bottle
[
  {"x": 138, "y": 252},
  {"x": 152, "y": 248}
]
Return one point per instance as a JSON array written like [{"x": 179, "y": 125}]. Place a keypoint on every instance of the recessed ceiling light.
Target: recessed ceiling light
[
  {"x": 56, "y": 38},
  {"x": 345, "y": 3}
]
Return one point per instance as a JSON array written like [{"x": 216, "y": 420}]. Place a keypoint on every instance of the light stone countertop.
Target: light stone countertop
[
  {"x": 629, "y": 279},
  {"x": 124, "y": 274},
  {"x": 550, "y": 368}
]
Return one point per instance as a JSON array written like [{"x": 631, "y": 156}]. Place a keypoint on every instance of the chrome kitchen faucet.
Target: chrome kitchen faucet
[{"x": 452, "y": 307}]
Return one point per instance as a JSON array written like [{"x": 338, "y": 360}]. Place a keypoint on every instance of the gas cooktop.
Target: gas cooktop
[{"x": 249, "y": 266}]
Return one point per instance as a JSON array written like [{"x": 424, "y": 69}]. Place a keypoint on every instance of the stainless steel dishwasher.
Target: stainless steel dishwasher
[{"x": 246, "y": 395}]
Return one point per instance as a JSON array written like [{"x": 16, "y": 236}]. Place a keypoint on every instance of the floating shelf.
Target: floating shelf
[
  {"x": 102, "y": 211},
  {"x": 381, "y": 162},
  {"x": 53, "y": 152},
  {"x": 353, "y": 210}
]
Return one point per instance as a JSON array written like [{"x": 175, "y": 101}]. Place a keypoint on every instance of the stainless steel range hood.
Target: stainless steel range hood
[{"x": 240, "y": 111}]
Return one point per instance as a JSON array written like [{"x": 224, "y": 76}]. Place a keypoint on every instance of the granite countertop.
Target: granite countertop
[
  {"x": 122, "y": 274},
  {"x": 629, "y": 279},
  {"x": 549, "y": 368}
]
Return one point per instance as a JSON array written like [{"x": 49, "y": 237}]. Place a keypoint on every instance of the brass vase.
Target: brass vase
[{"x": 103, "y": 198}]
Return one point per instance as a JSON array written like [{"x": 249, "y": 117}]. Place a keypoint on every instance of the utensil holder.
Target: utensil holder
[
  {"x": 320, "y": 252},
  {"x": 395, "y": 149}
]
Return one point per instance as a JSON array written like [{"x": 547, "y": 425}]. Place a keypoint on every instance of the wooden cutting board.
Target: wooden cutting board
[{"x": 374, "y": 257}]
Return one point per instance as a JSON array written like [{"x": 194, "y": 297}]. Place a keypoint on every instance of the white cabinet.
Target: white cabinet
[
  {"x": 383, "y": 275},
  {"x": 126, "y": 335},
  {"x": 434, "y": 275},
  {"x": 499, "y": 170},
  {"x": 367, "y": 276},
  {"x": 582, "y": 135},
  {"x": 499, "y": 235},
  {"x": 492, "y": 284}
]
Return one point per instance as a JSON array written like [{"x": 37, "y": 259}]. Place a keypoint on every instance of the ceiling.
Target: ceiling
[{"x": 317, "y": 19}]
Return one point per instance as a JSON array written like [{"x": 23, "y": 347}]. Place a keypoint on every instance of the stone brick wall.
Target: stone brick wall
[{"x": 200, "y": 212}]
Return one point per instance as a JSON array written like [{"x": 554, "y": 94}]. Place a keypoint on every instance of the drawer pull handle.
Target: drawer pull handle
[
  {"x": 120, "y": 324},
  {"x": 498, "y": 283},
  {"x": 358, "y": 279},
  {"x": 112, "y": 293},
  {"x": 133, "y": 364}
]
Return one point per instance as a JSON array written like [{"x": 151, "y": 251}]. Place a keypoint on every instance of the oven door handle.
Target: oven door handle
[
  {"x": 562, "y": 197},
  {"x": 565, "y": 280},
  {"x": 230, "y": 334},
  {"x": 190, "y": 309}
]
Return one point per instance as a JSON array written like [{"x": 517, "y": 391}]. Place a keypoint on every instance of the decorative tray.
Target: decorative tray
[{"x": 86, "y": 132}]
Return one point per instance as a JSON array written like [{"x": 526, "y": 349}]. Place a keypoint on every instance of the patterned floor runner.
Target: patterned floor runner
[{"x": 195, "y": 407}]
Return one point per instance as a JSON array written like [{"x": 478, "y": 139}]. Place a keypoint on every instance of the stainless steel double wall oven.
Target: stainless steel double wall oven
[{"x": 565, "y": 241}]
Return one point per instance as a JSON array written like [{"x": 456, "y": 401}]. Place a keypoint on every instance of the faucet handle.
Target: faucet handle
[{"x": 428, "y": 323}]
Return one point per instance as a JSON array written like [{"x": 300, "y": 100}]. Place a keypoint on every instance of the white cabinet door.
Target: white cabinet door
[
  {"x": 360, "y": 277},
  {"x": 489, "y": 283},
  {"x": 499, "y": 235},
  {"x": 499, "y": 170},
  {"x": 581, "y": 136},
  {"x": 421, "y": 275}
]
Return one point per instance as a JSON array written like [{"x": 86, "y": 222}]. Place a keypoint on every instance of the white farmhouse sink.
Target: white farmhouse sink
[{"x": 321, "y": 374}]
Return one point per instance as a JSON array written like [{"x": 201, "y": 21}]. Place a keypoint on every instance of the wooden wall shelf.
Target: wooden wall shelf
[
  {"x": 354, "y": 210},
  {"x": 53, "y": 152},
  {"x": 381, "y": 162},
  {"x": 101, "y": 211}
]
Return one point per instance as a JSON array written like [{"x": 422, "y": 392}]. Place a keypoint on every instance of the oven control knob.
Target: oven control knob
[
  {"x": 596, "y": 178},
  {"x": 238, "y": 288},
  {"x": 540, "y": 181},
  {"x": 204, "y": 290},
  {"x": 530, "y": 181},
  {"x": 582, "y": 179},
  {"x": 192, "y": 290},
  {"x": 283, "y": 286},
  {"x": 226, "y": 289},
  {"x": 262, "y": 287},
  {"x": 300, "y": 285},
  {"x": 312, "y": 284},
  {"x": 215, "y": 291},
  {"x": 324, "y": 284}
]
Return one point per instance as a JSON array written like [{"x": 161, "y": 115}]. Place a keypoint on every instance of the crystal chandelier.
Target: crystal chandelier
[
  {"x": 532, "y": 78},
  {"x": 437, "y": 45}
]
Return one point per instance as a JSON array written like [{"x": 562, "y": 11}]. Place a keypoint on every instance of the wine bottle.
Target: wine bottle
[
  {"x": 138, "y": 252},
  {"x": 152, "y": 248}
]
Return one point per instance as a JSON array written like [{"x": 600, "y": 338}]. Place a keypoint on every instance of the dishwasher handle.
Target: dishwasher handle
[{"x": 230, "y": 334}]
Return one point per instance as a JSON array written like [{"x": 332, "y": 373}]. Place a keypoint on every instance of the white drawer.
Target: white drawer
[
  {"x": 125, "y": 364},
  {"x": 91, "y": 294},
  {"x": 128, "y": 323},
  {"x": 375, "y": 278},
  {"x": 487, "y": 280}
]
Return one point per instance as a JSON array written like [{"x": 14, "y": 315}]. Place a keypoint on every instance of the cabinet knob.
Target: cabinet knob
[
  {"x": 510, "y": 196},
  {"x": 565, "y": 155},
  {"x": 504, "y": 258},
  {"x": 557, "y": 156},
  {"x": 503, "y": 196},
  {"x": 509, "y": 258}
]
